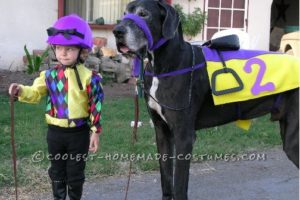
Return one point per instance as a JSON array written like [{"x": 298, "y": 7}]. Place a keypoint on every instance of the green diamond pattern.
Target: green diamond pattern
[
  {"x": 98, "y": 106},
  {"x": 48, "y": 107},
  {"x": 53, "y": 73},
  {"x": 60, "y": 85}
]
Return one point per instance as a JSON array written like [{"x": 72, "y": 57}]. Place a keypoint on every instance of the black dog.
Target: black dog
[{"x": 181, "y": 104}]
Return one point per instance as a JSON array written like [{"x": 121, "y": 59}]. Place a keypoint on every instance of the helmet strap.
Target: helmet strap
[
  {"x": 79, "y": 60},
  {"x": 53, "y": 49},
  {"x": 74, "y": 66},
  {"x": 76, "y": 71}
]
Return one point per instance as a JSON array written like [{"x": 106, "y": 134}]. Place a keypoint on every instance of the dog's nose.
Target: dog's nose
[{"x": 119, "y": 31}]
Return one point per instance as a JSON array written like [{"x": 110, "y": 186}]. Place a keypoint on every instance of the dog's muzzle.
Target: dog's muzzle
[{"x": 120, "y": 32}]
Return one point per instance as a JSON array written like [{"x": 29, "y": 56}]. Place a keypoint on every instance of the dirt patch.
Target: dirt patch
[
  {"x": 111, "y": 90},
  {"x": 118, "y": 90},
  {"x": 8, "y": 77}
]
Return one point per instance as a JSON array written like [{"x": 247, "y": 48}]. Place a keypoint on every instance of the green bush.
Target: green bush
[{"x": 192, "y": 23}]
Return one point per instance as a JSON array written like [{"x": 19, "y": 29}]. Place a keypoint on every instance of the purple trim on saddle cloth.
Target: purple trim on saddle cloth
[
  {"x": 177, "y": 72},
  {"x": 212, "y": 55}
]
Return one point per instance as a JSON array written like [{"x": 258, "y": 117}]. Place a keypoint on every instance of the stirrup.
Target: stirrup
[{"x": 226, "y": 91}]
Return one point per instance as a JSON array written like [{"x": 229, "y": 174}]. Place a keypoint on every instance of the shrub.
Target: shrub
[{"x": 192, "y": 23}]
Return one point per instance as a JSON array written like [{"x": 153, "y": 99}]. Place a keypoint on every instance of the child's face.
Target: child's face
[{"x": 66, "y": 55}]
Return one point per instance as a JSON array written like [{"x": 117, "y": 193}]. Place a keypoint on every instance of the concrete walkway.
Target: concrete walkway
[
  {"x": 275, "y": 178},
  {"x": 272, "y": 179}
]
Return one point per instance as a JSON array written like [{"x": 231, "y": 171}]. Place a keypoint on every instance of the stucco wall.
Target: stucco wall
[
  {"x": 23, "y": 22},
  {"x": 259, "y": 23}
]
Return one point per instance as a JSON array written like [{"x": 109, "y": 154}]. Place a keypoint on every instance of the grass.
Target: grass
[{"x": 30, "y": 137}]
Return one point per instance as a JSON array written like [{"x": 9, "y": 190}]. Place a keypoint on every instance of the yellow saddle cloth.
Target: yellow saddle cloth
[{"x": 261, "y": 73}]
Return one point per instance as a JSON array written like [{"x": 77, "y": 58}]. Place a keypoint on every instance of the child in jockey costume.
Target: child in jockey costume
[{"x": 74, "y": 101}]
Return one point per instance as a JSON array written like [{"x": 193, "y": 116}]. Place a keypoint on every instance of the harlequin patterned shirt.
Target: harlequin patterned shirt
[{"x": 67, "y": 105}]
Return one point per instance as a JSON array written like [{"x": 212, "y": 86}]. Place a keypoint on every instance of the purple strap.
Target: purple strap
[
  {"x": 140, "y": 22},
  {"x": 159, "y": 44},
  {"x": 177, "y": 72},
  {"x": 136, "y": 67}
]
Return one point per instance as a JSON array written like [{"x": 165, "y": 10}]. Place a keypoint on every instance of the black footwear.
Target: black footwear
[
  {"x": 59, "y": 190},
  {"x": 75, "y": 190}
]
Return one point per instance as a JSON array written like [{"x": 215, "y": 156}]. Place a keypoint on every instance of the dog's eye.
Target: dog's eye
[{"x": 142, "y": 14}]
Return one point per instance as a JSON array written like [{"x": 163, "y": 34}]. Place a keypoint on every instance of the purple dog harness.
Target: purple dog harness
[
  {"x": 140, "y": 22},
  {"x": 137, "y": 64}
]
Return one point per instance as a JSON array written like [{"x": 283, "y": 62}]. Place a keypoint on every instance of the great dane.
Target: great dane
[{"x": 180, "y": 105}]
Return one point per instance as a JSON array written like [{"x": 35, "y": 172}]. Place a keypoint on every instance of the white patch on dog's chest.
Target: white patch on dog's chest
[{"x": 152, "y": 103}]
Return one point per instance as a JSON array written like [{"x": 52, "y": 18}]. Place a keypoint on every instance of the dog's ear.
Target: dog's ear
[{"x": 171, "y": 21}]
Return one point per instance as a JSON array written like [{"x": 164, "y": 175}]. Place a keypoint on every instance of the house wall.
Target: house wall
[
  {"x": 188, "y": 6},
  {"x": 23, "y": 22},
  {"x": 259, "y": 22},
  {"x": 259, "y": 13}
]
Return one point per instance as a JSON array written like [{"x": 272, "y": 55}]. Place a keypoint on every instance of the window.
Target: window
[
  {"x": 97, "y": 11},
  {"x": 225, "y": 14}
]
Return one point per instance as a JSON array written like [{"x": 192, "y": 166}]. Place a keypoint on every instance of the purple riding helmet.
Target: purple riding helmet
[{"x": 71, "y": 30}]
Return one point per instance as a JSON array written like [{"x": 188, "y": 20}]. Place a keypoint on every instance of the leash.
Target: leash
[
  {"x": 138, "y": 94},
  {"x": 12, "y": 132}
]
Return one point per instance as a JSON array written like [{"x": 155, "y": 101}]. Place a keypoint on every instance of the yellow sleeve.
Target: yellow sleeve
[{"x": 33, "y": 94}]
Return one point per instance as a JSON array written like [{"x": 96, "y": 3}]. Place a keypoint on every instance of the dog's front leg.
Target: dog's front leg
[
  {"x": 184, "y": 139},
  {"x": 165, "y": 147}
]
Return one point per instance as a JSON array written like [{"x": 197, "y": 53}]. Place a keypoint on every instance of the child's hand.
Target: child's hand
[
  {"x": 94, "y": 142},
  {"x": 14, "y": 89}
]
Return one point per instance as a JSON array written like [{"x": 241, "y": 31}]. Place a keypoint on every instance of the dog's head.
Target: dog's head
[{"x": 159, "y": 18}]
